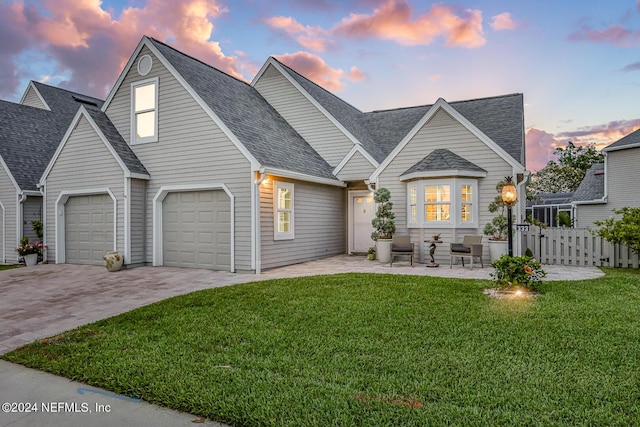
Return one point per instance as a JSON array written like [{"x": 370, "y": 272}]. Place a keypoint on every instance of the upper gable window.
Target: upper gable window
[{"x": 144, "y": 111}]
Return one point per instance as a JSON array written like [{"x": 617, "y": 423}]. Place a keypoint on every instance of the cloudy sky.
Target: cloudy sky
[{"x": 576, "y": 61}]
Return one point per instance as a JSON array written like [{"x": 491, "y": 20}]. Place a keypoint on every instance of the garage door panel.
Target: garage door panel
[
  {"x": 196, "y": 228},
  {"x": 88, "y": 228}
]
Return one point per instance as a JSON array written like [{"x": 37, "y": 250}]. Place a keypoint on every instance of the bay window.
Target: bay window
[{"x": 443, "y": 203}]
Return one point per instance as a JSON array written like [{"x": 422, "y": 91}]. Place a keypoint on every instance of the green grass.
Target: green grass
[
  {"x": 358, "y": 349},
  {"x": 9, "y": 266}
]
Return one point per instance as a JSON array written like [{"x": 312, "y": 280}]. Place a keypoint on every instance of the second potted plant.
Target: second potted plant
[
  {"x": 498, "y": 227},
  {"x": 383, "y": 224}
]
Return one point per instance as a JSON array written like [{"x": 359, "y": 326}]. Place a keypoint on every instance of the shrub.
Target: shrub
[
  {"x": 517, "y": 271},
  {"x": 383, "y": 224},
  {"x": 625, "y": 231}
]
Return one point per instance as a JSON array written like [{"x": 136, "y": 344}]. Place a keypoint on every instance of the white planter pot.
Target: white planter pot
[
  {"x": 31, "y": 260},
  {"x": 497, "y": 248},
  {"x": 113, "y": 261},
  {"x": 383, "y": 251}
]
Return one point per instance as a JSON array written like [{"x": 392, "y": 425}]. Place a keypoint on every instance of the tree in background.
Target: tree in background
[
  {"x": 566, "y": 173},
  {"x": 625, "y": 230}
]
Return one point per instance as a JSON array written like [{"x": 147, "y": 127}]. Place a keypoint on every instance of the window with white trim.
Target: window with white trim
[
  {"x": 144, "y": 111},
  {"x": 442, "y": 203},
  {"x": 283, "y": 227}
]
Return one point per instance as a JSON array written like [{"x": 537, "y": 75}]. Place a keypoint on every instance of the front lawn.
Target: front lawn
[
  {"x": 9, "y": 266},
  {"x": 371, "y": 350}
]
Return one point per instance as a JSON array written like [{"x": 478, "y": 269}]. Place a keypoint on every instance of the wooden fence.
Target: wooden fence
[{"x": 576, "y": 246}]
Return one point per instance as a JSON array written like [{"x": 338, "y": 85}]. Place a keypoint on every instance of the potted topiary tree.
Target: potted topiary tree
[
  {"x": 498, "y": 227},
  {"x": 383, "y": 224}
]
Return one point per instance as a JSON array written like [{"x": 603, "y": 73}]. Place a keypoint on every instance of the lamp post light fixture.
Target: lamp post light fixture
[{"x": 509, "y": 197}]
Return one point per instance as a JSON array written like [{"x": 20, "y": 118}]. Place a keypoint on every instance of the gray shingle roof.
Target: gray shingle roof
[
  {"x": 115, "y": 139},
  {"x": 592, "y": 185},
  {"x": 632, "y": 139},
  {"x": 443, "y": 159},
  {"x": 501, "y": 118},
  {"x": 551, "y": 199},
  {"x": 30, "y": 136},
  {"x": 267, "y": 136}
]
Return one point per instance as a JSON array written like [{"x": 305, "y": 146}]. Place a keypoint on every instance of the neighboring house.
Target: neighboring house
[
  {"x": 187, "y": 166},
  {"x": 29, "y": 134},
  {"x": 610, "y": 185}
]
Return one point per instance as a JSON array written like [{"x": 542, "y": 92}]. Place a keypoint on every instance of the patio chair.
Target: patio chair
[
  {"x": 470, "y": 247},
  {"x": 402, "y": 246}
]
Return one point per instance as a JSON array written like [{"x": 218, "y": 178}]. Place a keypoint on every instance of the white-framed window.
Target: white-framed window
[
  {"x": 442, "y": 203},
  {"x": 283, "y": 211},
  {"x": 144, "y": 111}
]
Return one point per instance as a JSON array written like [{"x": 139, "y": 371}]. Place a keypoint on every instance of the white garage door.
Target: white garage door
[
  {"x": 88, "y": 228},
  {"x": 196, "y": 230}
]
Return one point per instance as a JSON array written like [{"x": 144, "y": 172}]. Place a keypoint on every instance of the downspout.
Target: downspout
[
  {"x": 19, "y": 218},
  {"x": 369, "y": 185},
  {"x": 41, "y": 187},
  {"x": 257, "y": 249}
]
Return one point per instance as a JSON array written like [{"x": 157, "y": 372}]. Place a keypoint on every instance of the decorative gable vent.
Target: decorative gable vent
[{"x": 144, "y": 65}]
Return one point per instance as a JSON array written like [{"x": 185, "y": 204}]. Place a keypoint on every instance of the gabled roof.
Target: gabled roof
[
  {"x": 630, "y": 141},
  {"x": 592, "y": 185},
  {"x": 113, "y": 137},
  {"x": 441, "y": 160},
  {"x": 29, "y": 136},
  {"x": 256, "y": 124},
  {"x": 501, "y": 118}
]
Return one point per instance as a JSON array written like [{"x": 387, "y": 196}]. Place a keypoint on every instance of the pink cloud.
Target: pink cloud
[
  {"x": 93, "y": 44},
  {"x": 312, "y": 38},
  {"x": 314, "y": 68},
  {"x": 434, "y": 77},
  {"x": 502, "y": 22},
  {"x": 614, "y": 35},
  {"x": 394, "y": 20},
  {"x": 355, "y": 75},
  {"x": 540, "y": 144}
]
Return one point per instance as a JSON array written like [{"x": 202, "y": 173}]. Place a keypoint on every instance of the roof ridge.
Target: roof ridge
[
  {"x": 197, "y": 60},
  {"x": 448, "y": 102},
  {"x": 320, "y": 87},
  {"x": 67, "y": 90}
]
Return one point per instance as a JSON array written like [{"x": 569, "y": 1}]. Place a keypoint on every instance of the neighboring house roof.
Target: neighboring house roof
[
  {"x": 629, "y": 141},
  {"x": 592, "y": 185},
  {"x": 551, "y": 199},
  {"x": 258, "y": 126},
  {"x": 29, "y": 136},
  {"x": 443, "y": 160},
  {"x": 501, "y": 118},
  {"x": 120, "y": 146}
]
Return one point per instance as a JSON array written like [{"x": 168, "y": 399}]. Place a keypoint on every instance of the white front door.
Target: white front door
[{"x": 362, "y": 212}]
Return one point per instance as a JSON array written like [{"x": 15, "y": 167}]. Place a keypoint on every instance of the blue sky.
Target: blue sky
[{"x": 576, "y": 62}]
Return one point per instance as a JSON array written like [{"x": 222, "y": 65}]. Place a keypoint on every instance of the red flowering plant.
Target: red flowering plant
[
  {"x": 513, "y": 271},
  {"x": 27, "y": 248}
]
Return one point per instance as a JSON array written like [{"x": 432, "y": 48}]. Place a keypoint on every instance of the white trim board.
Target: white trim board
[
  {"x": 159, "y": 197},
  {"x": 60, "y": 226}
]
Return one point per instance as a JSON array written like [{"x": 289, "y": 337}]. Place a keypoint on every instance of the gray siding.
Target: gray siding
[
  {"x": 357, "y": 168},
  {"x": 85, "y": 163},
  {"x": 319, "y": 224},
  {"x": 622, "y": 175},
  {"x": 31, "y": 99},
  {"x": 9, "y": 199},
  {"x": 138, "y": 212},
  {"x": 306, "y": 119},
  {"x": 31, "y": 211},
  {"x": 442, "y": 131},
  {"x": 190, "y": 150},
  {"x": 622, "y": 171}
]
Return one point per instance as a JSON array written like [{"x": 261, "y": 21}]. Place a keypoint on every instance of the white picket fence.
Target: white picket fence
[{"x": 576, "y": 246}]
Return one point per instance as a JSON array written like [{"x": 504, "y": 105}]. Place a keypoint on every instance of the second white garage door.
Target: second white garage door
[
  {"x": 88, "y": 228},
  {"x": 196, "y": 230}
]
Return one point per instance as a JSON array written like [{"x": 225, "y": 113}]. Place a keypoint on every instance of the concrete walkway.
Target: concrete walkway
[{"x": 46, "y": 300}]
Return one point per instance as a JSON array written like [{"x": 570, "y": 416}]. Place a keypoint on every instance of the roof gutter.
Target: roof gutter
[{"x": 304, "y": 177}]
